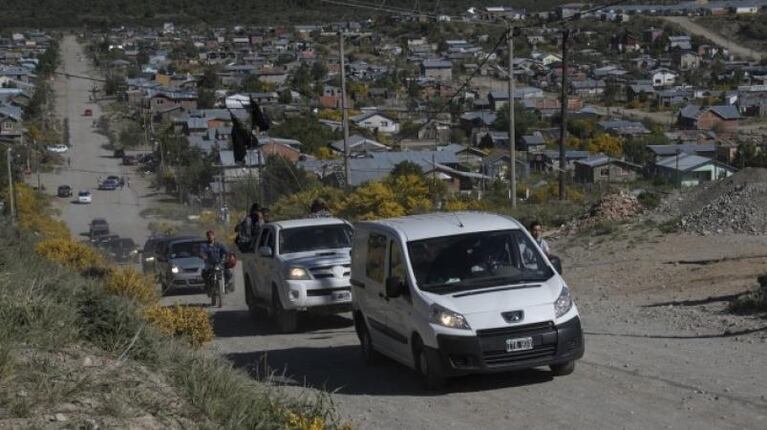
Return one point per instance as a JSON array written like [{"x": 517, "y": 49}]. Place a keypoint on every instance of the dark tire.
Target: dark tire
[
  {"x": 563, "y": 369},
  {"x": 429, "y": 366},
  {"x": 286, "y": 320},
  {"x": 253, "y": 309},
  {"x": 369, "y": 355}
]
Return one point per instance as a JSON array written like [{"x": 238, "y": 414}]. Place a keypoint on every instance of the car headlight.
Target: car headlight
[
  {"x": 298, "y": 274},
  {"x": 564, "y": 302},
  {"x": 149, "y": 259},
  {"x": 447, "y": 318},
  {"x": 174, "y": 269}
]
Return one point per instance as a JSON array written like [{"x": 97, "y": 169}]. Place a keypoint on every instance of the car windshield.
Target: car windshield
[
  {"x": 305, "y": 239},
  {"x": 476, "y": 260},
  {"x": 84, "y": 193},
  {"x": 186, "y": 249}
]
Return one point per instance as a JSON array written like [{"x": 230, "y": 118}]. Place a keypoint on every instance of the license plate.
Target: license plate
[
  {"x": 519, "y": 344},
  {"x": 341, "y": 296}
]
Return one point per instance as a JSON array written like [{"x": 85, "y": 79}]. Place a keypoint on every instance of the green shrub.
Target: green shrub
[
  {"x": 649, "y": 200},
  {"x": 754, "y": 301}
]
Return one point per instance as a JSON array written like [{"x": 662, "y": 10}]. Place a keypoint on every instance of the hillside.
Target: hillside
[{"x": 70, "y": 13}]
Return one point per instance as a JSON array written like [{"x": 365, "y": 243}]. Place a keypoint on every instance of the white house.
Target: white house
[
  {"x": 663, "y": 77},
  {"x": 690, "y": 170},
  {"x": 546, "y": 58},
  {"x": 745, "y": 10},
  {"x": 376, "y": 121}
]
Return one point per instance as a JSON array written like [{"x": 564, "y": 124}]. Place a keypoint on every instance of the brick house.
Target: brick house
[
  {"x": 719, "y": 118},
  {"x": 161, "y": 101}
]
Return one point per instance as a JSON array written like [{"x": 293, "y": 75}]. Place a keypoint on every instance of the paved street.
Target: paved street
[{"x": 89, "y": 160}]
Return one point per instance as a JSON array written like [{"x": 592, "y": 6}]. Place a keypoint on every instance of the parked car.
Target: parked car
[
  {"x": 179, "y": 264},
  {"x": 98, "y": 227},
  {"x": 102, "y": 242},
  {"x": 123, "y": 250},
  {"x": 108, "y": 185},
  {"x": 88, "y": 112},
  {"x": 461, "y": 293},
  {"x": 129, "y": 160},
  {"x": 59, "y": 148},
  {"x": 299, "y": 265},
  {"x": 64, "y": 191},
  {"x": 118, "y": 153},
  {"x": 84, "y": 197}
]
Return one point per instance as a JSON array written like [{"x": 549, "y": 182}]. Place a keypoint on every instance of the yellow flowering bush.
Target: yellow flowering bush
[
  {"x": 129, "y": 283},
  {"x": 178, "y": 320},
  {"x": 300, "y": 422},
  {"x": 74, "y": 255},
  {"x": 33, "y": 214}
]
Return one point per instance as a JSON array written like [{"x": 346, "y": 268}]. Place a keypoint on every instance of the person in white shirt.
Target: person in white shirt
[{"x": 536, "y": 229}]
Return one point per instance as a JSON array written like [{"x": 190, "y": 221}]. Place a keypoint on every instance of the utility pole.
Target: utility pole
[
  {"x": 37, "y": 166},
  {"x": 563, "y": 119},
  {"x": 512, "y": 139},
  {"x": 345, "y": 113},
  {"x": 11, "y": 192}
]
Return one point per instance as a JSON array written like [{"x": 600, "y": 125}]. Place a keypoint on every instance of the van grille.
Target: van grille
[{"x": 493, "y": 343}]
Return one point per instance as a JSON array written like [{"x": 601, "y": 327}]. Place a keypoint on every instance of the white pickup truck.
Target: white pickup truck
[{"x": 299, "y": 265}]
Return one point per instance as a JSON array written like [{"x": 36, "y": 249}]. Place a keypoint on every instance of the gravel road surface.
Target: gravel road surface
[
  {"x": 734, "y": 47},
  {"x": 660, "y": 350}
]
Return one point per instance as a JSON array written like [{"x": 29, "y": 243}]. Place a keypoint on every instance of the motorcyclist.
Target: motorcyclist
[{"x": 213, "y": 253}]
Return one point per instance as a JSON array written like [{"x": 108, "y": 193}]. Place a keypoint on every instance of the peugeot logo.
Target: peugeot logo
[{"x": 513, "y": 316}]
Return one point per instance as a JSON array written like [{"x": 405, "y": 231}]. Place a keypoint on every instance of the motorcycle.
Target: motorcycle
[{"x": 217, "y": 286}]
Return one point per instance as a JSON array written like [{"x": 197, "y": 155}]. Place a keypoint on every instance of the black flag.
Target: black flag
[
  {"x": 241, "y": 139},
  {"x": 258, "y": 117}
]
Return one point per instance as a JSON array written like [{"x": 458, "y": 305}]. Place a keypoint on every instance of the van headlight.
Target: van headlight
[
  {"x": 149, "y": 259},
  {"x": 298, "y": 274},
  {"x": 174, "y": 269},
  {"x": 564, "y": 302},
  {"x": 445, "y": 317}
]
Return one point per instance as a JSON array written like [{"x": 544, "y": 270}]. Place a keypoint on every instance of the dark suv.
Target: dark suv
[
  {"x": 99, "y": 227},
  {"x": 64, "y": 191}
]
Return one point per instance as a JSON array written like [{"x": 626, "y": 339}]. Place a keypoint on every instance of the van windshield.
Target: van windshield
[
  {"x": 313, "y": 238},
  {"x": 476, "y": 260}
]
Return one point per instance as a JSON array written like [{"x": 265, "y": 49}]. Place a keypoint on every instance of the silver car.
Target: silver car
[{"x": 180, "y": 264}]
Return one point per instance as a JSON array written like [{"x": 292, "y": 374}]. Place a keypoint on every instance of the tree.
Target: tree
[
  {"x": 251, "y": 84},
  {"x": 209, "y": 79},
  {"x": 206, "y": 98},
  {"x": 131, "y": 135},
  {"x": 407, "y": 168},
  {"x": 286, "y": 97},
  {"x": 319, "y": 71},
  {"x": 281, "y": 178},
  {"x": 523, "y": 120},
  {"x": 604, "y": 143},
  {"x": 308, "y": 131}
]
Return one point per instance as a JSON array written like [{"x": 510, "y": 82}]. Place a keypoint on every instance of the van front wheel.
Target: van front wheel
[
  {"x": 429, "y": 366},
  {"x": 563, "y": 369},
  {"x": 369, "y": 354}
]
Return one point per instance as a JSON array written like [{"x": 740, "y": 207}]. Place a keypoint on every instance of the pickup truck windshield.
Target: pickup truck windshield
[
  {"x": 314, "y": 238},
  {"x": 186, "y": 249},
  {"x": 476, "y": 260}
]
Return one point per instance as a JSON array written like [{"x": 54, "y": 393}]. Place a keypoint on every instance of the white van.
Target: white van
[{"x": 450, "y": 294}]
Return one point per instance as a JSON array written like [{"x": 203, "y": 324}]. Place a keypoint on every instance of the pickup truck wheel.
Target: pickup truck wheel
[
  {"x": 253, "y": 309},
  {"x": 429, "y": 366},
  {"x": 287, "y": 320},
  {"x": 563, "y": 369}
]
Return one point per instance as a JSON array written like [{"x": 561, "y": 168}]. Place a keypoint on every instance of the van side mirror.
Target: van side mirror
[
  {"x": 395, "y": 287},
  {"x": 265, "y": 251},
  {"x": 557, "y": 263}
]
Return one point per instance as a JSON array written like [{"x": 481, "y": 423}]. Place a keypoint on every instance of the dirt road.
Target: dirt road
[
  {"x": 655, "y": 356},
  {"x": 734, "y": 47}
]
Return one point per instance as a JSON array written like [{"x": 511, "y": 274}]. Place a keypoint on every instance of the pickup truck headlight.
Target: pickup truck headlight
[
  {"x": 447, "y": 318},
  {"x": 298, "y": 274},
  {"x": 564, "y": 302},
  {"x": 174, "y": 269}
]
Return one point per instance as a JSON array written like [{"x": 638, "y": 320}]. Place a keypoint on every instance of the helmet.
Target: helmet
[{"x": 231, "y": 261}]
